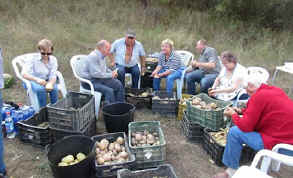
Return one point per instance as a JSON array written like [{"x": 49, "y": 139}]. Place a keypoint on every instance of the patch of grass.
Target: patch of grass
[{"x": 75, "y": 26}]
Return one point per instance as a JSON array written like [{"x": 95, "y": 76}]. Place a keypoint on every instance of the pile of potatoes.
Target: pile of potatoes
[
  {"x": 198, "y": 103},
  {"x": 111, "y": 153},
  {"x": 220, "y": 136},
  {"x": 69, "y": 159},
  {"x": 145, "y": 138}
]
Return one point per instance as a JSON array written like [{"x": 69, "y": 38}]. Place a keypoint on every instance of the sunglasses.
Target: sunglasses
[{"x": 46, "y": 54}]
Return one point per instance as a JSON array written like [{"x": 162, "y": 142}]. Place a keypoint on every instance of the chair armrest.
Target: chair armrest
[
  {"x": 288, "y": 160},
  {"x": 89, "y": 83},
  {"x": 19, "y": 75},
  {"x": 282, "y": 146}
]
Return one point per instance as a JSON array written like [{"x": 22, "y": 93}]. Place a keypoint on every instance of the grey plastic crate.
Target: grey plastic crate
[{"x": 72, "y": 113}]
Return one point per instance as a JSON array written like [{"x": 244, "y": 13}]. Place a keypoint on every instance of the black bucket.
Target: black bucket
[
  {"x": 117, "y": 116},
  {"x": 72, "y": 145}
]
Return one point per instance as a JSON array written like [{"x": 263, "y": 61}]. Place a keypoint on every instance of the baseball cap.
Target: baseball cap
[{"x": 130, "y": 33}]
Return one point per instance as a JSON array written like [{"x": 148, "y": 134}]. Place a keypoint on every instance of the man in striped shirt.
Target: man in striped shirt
[{"x": 169, "y": 66}]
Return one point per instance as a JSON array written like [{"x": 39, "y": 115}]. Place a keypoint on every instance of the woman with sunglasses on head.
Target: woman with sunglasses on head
[{"x": 42, "y": 73}]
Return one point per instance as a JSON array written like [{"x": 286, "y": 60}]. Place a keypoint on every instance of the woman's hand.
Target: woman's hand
[
  {"x": 154, "y": 73},
  {"x": 212, "y": 92},
  {"x": 41, "y": 81},
  {"x": 229, "y": 111}
]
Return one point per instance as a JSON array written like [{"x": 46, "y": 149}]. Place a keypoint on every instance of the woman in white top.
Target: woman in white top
[{"x": 230, "y": 80}]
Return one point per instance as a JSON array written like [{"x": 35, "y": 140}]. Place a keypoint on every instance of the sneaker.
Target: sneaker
[{"x": 3, "y": 175}]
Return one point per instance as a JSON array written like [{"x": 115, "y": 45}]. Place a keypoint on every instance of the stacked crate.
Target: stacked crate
[
  {"x": 165, "y": 104},
  {"x": 139, "y": 97},
  {"x": 192, "y": 131},
  {"x": 73, "y": 115},
  {"x": 147, "y": 156},
  {"x": 35, "y": 130}
]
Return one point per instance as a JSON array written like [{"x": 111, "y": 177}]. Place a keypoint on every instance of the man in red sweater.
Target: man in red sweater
[{"x": 267, "y": 120}]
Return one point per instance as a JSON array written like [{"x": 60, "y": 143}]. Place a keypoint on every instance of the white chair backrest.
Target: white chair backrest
[
  {"x": 186, "y": 56},
  {"x": 259, "y": 72},
  {"x": 19, "y": 62},
  {"x": 76, "y": 65}
]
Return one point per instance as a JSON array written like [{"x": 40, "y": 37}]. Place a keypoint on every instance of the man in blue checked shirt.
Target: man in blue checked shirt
[
  {"x": 128, "y": 54},
  {"x": 2, "y": 164}
]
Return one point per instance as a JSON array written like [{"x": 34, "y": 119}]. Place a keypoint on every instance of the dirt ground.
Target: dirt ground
[{"x": 188, "y": 159}]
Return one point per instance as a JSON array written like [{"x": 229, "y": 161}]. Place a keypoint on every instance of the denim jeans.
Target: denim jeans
[
  {"x": 41, "y": 92},
  {"x": 135, "y": 73},
  {"x": 112, "y": 89},
  {"x": 206, "y": 81},
  {"x": 169, "y": 80},
  {"x": 2, "y": 164},
  {"x": 235, "y": 140}
]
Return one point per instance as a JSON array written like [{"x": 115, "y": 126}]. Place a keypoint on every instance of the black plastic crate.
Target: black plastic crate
[
  {"x": 31, "y": 130},
  {"x": 216, "y": 151},
  {"x": 192, "y": 131},
  {"x": 165, "y": 104},
  {"x": 72, "y": 113},
  {"x": 165, "y": 170},
  {"x": 151, "y": 64},
  {"x": 111, "y": 169},
  {"x": 136, "y": 97},
  {"x": 146, "y": 80},
  {"x": 58, "y": 134}
]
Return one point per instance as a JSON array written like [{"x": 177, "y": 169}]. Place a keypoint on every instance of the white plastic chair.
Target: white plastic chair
[
  {"x": 252, "y": 170},
  {"x": 186, "y": 58},
  {"x": 18, "y": 62},
  {"x": 261, "y": 72},
  {"x": 267, "y": 161},
  {"x": 76, "y": 66},
  {"x": 287, "y": 68}
]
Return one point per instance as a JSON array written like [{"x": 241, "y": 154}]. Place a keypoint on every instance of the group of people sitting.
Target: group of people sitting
[{"x": 267, "y": 120}]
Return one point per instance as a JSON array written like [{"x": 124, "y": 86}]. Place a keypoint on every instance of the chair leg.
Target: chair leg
[
  {"x": 265, "y": 164},
  {"x": 98, "y": 97}
]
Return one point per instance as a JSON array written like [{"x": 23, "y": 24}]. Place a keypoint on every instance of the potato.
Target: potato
[
  {"x": 62, "y": 164},
  {"x": 80, "y": 156},
  {"x": 120, "y": 140},
  {"x": 101, "y": 161},
  {"x": 138, "y": 137},
  {"x": 67, "y": 159},
  {"x": 117, "y": 147},
  {"x": 123, "y": 154}
]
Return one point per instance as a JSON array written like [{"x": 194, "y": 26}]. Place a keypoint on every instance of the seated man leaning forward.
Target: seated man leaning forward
[
  {"x": 170, "y": 66},
  {"x": 104, "y": 80},
  {"x": 41, "y": 73},
  {"x": 203, "y": 71},
  {"x": 267, "y": 120},
  {"x": 128, "y": 52}
]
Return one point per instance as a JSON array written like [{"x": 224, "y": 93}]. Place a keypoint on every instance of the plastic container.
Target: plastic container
[
  {"x": 182, "y": 105},
  {"x": 213, "y": 119},
  {"x": 216, "y": 151},
  {"x": 135, "y": 97},
  {"x": 192, "y": 131},
  {"x": 35, "y": 130},
  {"x": 117, "y": 116},
  {"x": 111, "y": 169},
  {"x": 72, "y": 113},
  {"x": 9, "y": 125},
  {"x": 165, "y": 104},
  {"x": 164, "y": 170},
  {"x": 148, "y": 156},
  {"x": 71, "y": 146},
  {"x": 58, "y": 134}
]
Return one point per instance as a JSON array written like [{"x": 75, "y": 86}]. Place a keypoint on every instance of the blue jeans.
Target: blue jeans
[
  {"x": 169, "y": 80},
  {"x": 2, "y": 164},
  {"x": 41, "y": 92},
  {"x": 235, "y": 139},
  {"x": 112, "y": 89},
  {"x": 135, "y": 73},
  {"x": 206, "y": 81}
]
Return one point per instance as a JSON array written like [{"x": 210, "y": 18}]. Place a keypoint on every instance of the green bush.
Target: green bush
[{"x": 268, "y": 13}]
